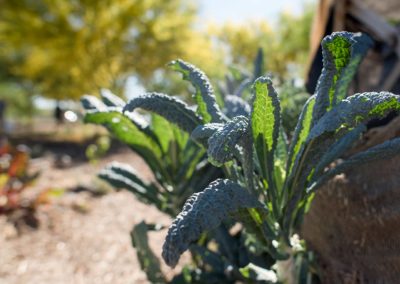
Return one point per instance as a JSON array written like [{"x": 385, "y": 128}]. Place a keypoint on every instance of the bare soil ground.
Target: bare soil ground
[{"x": 81, "y": 238}]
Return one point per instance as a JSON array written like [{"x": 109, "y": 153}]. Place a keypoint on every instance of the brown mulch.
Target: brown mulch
[{"x": 81, "y": 238}]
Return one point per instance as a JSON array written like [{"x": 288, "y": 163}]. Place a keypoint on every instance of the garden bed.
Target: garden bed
[{"x": 81, "y": 238}]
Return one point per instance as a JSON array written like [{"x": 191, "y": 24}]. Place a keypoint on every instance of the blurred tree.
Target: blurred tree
[
  {"x": 242, "y": 41},
  {"x": 67, "y": 48},
  {"x": 16, "y": 100},
  {"x": 285, "y": 47}
]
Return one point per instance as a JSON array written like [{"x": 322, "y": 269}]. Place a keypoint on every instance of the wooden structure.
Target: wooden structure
[{"x": 381, "y": 68}]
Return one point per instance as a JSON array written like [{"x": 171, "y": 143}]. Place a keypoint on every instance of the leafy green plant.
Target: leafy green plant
[
  {"x": 271, "y": 183},
  {"x": 173, "y": 158},
  {"x": 167, "y": 150}
]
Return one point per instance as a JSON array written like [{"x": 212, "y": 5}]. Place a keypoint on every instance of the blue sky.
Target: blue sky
[{"x": 240, "y": 11}]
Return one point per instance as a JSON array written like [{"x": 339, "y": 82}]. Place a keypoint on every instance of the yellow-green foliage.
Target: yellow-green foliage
[
  {"x": 284, "y": 44},
  {"x": 68, "y": 48}
]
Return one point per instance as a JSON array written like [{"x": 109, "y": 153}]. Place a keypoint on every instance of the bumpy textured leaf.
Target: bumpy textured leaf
[
  {"x": 358, "y": 51},
  {"x": 172, "y": 109},
  {"x": 342, "y": 53},
  {"x": 110, "y": 99},
  {"x": 385, "y": 150},
  {"x": 202, "y": 133},
  {"x": 223, "y": 142},
  {"x": 265, "y": 121},
  {"x": 301, "y": 132},
  {"x": 235, "y": 106},
  {"x": 149, "y": 263},
  {"x": 125, "y": 130},
  {"x": 204, "y": 211},
  {"x": 356, "y": 109},
  {"x": 204, "y": 96},
  {"x": 92, "y": 103}
]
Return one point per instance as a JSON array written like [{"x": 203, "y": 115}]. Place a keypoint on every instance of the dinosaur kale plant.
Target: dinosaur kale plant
[
  {"x": 180, "y": 169},
  {"x": 271, "y": 183},
  {"x": 169, "y": 153},
  {"x": 167, "y": 150}
]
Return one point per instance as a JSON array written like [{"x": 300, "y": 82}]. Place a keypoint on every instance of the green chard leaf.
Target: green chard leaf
[
  {"x": 342, "y": 53},
  {"x": 111, "y": 99},
  {"x": 265, "y": 122},
  {"x": 172, "y": 109},
  {"x": 204, "y": 96},
  {"x": 204, "y": 211}
]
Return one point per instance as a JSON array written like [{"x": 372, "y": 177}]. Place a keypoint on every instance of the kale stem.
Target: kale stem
[{"x": 295, "y": 196}]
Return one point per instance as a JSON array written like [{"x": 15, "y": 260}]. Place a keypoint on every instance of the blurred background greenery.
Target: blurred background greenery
[{"x": 61, "y": 49}]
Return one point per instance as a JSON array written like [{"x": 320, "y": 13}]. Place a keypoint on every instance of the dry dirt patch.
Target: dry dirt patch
[{"x": 80, "y": 246}]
